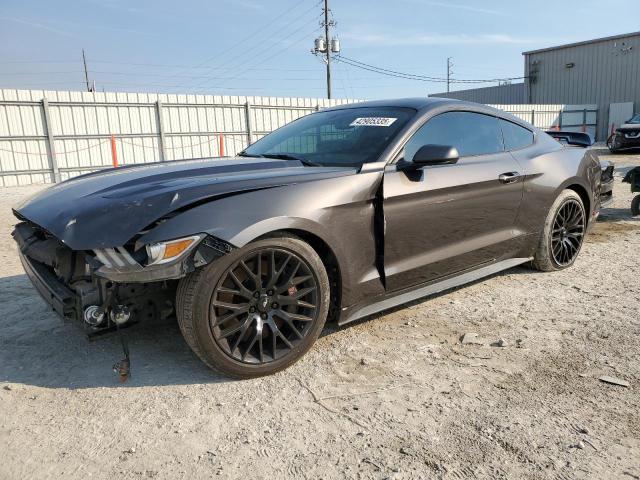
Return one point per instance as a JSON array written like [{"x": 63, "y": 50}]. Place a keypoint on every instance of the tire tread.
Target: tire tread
[
  {"x": 542, "y": 259},
  {"x": 189, "y": 294}
]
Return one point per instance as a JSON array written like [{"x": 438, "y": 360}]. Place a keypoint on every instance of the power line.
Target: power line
[
  {"x": 411, "y": 76},
  {"x": 261, "y": 50},
  {"x": 135, "y": 64},
  {"x": 134, "y": 74},
  {"x": 264, "y": 60},
  {"x": 395, "y": 72},
  {"x": 383, "y": 72},
  {"x": 252, "y": 35}
]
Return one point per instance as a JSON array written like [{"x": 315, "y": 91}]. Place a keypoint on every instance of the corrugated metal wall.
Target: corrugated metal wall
[
  {"x": 71, "y": 132},
  {"x": 603, "y": 72},
  {"x": 502, "y": 94}
]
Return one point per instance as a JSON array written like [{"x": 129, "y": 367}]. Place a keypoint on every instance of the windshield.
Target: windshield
[
  {"x": 635, "y": 119},
  {"x": 345, "y": 137}
]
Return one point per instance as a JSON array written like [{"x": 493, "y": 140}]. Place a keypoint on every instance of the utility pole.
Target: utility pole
[
  {"x": 86, "y": 74},
  {"x": 328, "y": 40},
  {"x": 326, "y": 45},
  {"x": 449, "y": 71}
]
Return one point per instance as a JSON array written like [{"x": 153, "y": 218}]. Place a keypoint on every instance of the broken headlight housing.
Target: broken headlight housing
[
  {"x": 164, "y": 252},
  {"x": 159, "y": 253}
]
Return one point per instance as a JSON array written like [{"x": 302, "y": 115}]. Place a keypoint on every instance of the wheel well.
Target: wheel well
[
  {"x": 329, "y": 260},
  {"x": 584, "y": 196}
]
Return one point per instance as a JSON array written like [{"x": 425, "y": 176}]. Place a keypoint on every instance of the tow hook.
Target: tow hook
[
  {"x": 123, "y": 367},
  {"x": 120, "y": 315}
]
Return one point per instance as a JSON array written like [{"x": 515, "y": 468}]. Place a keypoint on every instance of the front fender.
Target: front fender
[{"x": 340, "y": 211}]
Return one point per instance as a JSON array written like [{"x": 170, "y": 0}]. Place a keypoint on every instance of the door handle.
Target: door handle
[{"x": 509, "y": 177}]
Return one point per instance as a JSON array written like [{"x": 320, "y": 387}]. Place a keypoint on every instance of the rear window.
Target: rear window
[{"x": 515, "y": 136}]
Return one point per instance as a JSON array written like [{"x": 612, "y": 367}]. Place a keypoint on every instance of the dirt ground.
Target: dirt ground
[{"x": 396, "y": 396}]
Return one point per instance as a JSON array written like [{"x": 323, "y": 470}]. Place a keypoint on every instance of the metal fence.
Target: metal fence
[
  {"x": 48, "y": 136},
  {"x": 573, "y": 118}
]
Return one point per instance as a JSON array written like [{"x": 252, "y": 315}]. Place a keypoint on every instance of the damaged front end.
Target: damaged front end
[{"x": 108, "y": 288}]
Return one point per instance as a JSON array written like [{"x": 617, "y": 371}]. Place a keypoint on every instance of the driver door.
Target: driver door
[{"x": 443, "y": 219}]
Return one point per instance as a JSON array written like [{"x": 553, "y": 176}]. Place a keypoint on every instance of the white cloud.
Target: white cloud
[
  {"x": 397, "y": 39},
  {"x": 37, "y": 25},
  {"x": 457, "y": 6},
  {"x": 248, "y": 4}
]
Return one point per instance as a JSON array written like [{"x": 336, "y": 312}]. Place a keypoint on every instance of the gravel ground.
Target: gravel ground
[{"x": 397, "y": 396}]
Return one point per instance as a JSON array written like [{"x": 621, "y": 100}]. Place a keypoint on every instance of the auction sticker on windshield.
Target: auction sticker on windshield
[{"x": 372, "y": 122}]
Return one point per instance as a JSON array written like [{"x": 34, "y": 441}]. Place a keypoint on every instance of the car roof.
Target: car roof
[
  {"x": 415, "y": 102},
  {"x": 424, "y": 104},
  {"x": 420, "y": 103}
]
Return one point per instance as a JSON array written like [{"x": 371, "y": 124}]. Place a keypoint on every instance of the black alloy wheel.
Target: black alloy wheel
[
  {"x": 568, "y": 232},
  {"x": 264, "y": 306}
]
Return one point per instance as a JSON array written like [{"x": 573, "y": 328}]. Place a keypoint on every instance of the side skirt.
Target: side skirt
[{"x": 433, "y": 288}]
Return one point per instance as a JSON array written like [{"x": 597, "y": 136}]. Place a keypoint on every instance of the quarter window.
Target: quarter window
[
  {"x": 515, "y": 136},
  {"x": 471, "y": 133}
]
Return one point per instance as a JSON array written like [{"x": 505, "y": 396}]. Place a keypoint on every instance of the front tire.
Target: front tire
[
  {"x": 563, "y": 233},
  {"x": 635, "y": 206},
  {"x": 256, "y": 310},
  {"x": 613, "y": 143}
]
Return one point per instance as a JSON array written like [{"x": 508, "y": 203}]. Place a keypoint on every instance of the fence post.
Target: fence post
[
  {"x": 584, "y": 120},
  {"x": 161, "y": 139},
  {"x": 247, "y": 116},
  {"x": 533, "y": 117},
  {"x": 560, "y": 119},
  {"x": 50, "y": 141},
  {"x": 114, "y": 152}
]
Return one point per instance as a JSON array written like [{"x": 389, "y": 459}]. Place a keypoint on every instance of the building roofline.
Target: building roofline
[
  {"x": 507, "y": 85},
  {"x": 584, "y": 42}
]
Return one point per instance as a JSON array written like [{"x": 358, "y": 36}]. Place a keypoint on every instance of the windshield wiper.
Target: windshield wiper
[
  {"x": 287, "y": 156},
  {"x": 244, "y": 154}
]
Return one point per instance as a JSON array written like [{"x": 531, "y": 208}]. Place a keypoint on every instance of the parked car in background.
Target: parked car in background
[
  {"x": 626, "y": 135},
  {"x": 336, "y": 216}
]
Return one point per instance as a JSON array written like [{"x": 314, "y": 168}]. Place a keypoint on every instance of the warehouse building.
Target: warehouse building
[
  {"x": 604, "y": 72},
  {"x": 510, "y": 93}
]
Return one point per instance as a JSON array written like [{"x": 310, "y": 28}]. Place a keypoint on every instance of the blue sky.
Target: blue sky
[{"x": 252, "y": 47}]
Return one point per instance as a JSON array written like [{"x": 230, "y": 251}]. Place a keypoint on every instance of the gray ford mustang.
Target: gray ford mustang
[{"x": 336, "y": 216}]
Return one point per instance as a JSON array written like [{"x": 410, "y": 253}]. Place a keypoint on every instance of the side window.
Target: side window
[
  {"x": 515, "y": 136},
  {"x": 471, "y": 133}
]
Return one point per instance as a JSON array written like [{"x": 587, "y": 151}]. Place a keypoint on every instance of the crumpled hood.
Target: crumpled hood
[{"x": 106, "y": 209}]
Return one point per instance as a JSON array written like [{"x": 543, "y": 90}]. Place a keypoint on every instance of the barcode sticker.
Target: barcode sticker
[{"x": 373, "y": 122}]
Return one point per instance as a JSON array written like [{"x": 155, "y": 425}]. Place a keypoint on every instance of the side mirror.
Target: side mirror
[{"x": 436, "y": 155}]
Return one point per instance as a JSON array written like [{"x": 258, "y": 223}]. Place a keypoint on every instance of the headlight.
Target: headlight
[{"x": 164, "y": 252}]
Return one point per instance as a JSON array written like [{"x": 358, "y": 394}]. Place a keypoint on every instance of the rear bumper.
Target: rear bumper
[
  {"x": 606, "y": 182},
  {"x": 606, "y": 194},
  {"x": 61, "y": 299}
]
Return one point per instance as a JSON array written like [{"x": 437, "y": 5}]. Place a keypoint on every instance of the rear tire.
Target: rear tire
[
  {"x": 563, "y": 233},
  {"x": 257, "y": 310}
]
